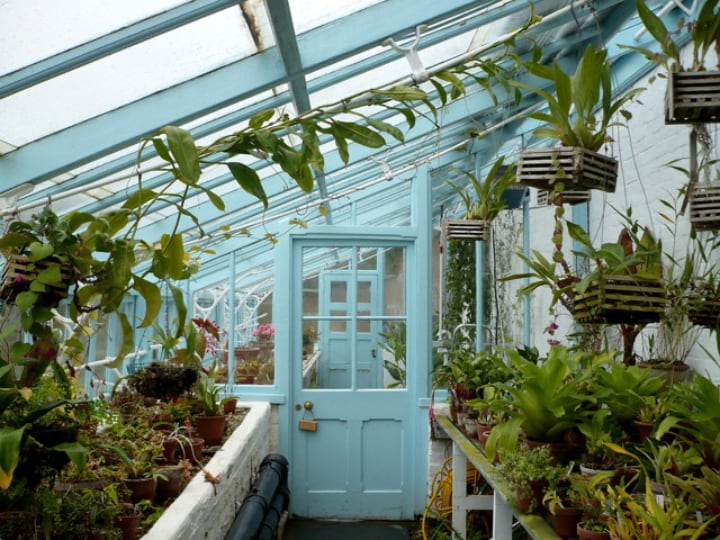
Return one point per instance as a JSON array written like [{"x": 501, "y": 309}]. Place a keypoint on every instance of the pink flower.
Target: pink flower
[
  {"x": 553, "y": 342},
  {"x": 264, "y": 332}
]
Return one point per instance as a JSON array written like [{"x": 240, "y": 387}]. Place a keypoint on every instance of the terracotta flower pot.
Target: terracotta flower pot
[
  {"x": 140, "y": 488},
  {"x": 229, "y": 405},
  {"x": 531, "y": 502},
  {"x": 192, "y": 450},
  {"x": 172, "y": 484},
  {"x": 565, "y": 521},
  {"x": 129, "y": 525},
  {"x": 18, "y": 524},
  {"x": 644, "y": 429},
  {"x": 211, "y": 428},
  {"x": 585, "y": 534}
]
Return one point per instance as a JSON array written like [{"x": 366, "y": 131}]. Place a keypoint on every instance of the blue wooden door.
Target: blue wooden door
[{"x": 358, "y": 463}]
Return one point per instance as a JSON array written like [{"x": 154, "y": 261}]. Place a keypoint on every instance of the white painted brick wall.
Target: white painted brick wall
[{"x": 199, "y": 513}]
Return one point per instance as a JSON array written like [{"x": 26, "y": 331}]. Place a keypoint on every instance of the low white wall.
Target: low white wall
[{"x": 200, "y": 513}]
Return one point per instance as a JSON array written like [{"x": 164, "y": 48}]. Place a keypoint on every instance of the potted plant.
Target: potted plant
[
  {"x": 565, "y": 501},
  {"x": 529, "y": 472},
  {"x": 309, "y": 337},
  {"x": 211, "y": 422},
  {"x": 586, "y": 94},
  {"x": 482, "y": 203},
  {"x": 693, "y": 90},
  {"x": 623, "y": 389},
  {"x": 599, "y": 428},
  {"x": 545, "y": 402},
  {"x": 648, "y": 415},
  {"x": 626, "y": 286}
]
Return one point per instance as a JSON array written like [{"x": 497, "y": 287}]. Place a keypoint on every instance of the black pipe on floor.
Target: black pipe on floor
[{"x": 260, "y": 512}]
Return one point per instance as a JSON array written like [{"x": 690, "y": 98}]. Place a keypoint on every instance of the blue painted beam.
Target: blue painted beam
[
  {"x": 110, "y": 43},
  {"x": 285, "y": 38}
]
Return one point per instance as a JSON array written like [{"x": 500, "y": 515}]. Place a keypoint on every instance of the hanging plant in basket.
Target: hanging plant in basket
[
  {"x": 483, "y": 201},
  {"x": 48, "y": 278},
  {"x": 704, "y": 200},
  {"x": 693, "y": 93},
  {"x": 703, "y": 302},
  {"x": 571, "y": 197},
  {"x": 579, "y": 113},
  {"x": 626, "y": 287}
]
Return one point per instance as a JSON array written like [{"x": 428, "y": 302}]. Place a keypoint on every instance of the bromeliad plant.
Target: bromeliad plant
[
  {"x": 547, "y": 400},
  {"x": 581, "y": 105}
]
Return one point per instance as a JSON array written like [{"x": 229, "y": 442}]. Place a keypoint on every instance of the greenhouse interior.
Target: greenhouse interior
[{"x": 361, "y": 269}]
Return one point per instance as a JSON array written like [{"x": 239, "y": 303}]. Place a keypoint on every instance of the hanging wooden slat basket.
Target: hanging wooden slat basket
[
  {"x": 577, "y": 168},
  {"x": 705, "y": 206},
  {"x": 692, "y": 97},
  {"x": 467, "y": 229},
  {"x": 571, "y": 197},
  {"x": 704, "y": 312},
  {"x": 20, "y": 271},
  {"x": 621, "y": 299}
]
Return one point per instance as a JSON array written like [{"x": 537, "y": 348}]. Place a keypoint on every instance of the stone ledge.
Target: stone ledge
[{"x": 198, "y": 512}]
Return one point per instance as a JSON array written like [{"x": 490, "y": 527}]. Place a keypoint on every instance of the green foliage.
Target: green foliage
[
  {"x": 547, "y": 398},
  {"x": 523, "y": 466},
  {"x": 624, "y": 389},
  {"x": 484, "y": 201},
  {"x": 586, "y": 94},
  {"x": 209, "y": 395},
  {"x": 704, "y": 32}
]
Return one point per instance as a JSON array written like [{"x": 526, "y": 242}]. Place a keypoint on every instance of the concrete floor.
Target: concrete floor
[{"x": 297, "y": 529}]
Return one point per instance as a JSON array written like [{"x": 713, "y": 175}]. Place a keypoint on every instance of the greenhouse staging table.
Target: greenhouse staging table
[{"x": 464, "y": 450}]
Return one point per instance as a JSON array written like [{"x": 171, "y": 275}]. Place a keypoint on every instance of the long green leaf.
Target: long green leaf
[
  {"x": 180, "y": 308},
  {"x": 127, "y": 341},
  {"x": 10, "y": 440},
  {"x": 387, "y": 128},
  {"x": 152, "y": 297},
  {"x": 258, "y": 119},
  {"x": 360, "y": 134},
  {"x": 248, "y": 180},
  {"x": 182, "y": 147}
]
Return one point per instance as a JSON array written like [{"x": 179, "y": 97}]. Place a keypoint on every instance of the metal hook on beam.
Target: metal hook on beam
[{"x": 419, "y": 73}]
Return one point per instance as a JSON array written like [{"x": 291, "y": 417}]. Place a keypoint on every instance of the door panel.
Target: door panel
[{"x": 358, "y": 463}]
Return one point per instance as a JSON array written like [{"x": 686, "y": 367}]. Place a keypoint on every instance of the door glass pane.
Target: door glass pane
[
  {"x": 394, "y": 282},
  {"x": 392, "y": 347},
  {"x": 367, "y": 259},
  {"x": 345, "y": 339}
]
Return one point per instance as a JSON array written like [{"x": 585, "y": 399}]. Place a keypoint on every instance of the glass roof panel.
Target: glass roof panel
[
  {"x": 308, "y": 15},
  {"x": 36, "y": 29},
  {"x": 135, "y": 72}
]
